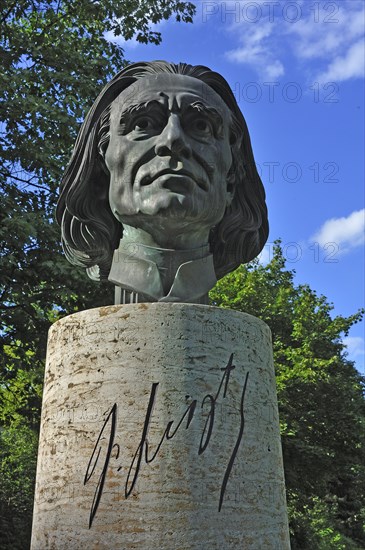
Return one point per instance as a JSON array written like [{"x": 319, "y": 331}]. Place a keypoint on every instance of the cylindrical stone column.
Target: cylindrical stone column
[{"x": 160, "y": 431}]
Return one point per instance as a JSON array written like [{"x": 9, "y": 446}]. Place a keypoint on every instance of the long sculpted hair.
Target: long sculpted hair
[{"x": 91, "y": 233}]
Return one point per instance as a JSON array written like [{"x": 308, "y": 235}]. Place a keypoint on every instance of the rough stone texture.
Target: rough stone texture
[{"x": 167, "y": 369}]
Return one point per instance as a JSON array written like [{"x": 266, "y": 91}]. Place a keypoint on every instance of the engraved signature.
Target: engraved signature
[{"x": 144, "y": 455}]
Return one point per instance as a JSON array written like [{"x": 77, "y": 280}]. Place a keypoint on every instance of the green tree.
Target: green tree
[
  {"x": 321, "y": 403},
  {"x": 18, "y": 456},
  {"x": 54, "y": 59}
]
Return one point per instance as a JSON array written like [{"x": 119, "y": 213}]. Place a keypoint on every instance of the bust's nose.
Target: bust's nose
[{"x": 172, "y": 140}]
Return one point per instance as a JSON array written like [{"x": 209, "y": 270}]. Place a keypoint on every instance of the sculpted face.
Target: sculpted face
[{"x": 169, "y": 155}]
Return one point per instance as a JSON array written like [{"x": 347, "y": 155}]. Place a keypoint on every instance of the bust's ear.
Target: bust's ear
[
  {"x": 236, "y": 168},
  {"x": 231, "y": 187},
  {"x": 231, "y": 183},
  {"x": 102, "y": 148}
]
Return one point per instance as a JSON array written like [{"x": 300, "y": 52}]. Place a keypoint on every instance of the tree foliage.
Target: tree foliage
[
  {"x": 18, "y": 456},
  {"x": 54, "y": 60},
  {"x": 321, "y": 403}
]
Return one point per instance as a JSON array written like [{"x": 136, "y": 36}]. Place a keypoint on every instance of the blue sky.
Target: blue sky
[{"x": 297, "y": 70}]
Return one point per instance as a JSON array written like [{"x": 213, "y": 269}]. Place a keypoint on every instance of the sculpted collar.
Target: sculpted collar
[{"x": 160, "y": 275}]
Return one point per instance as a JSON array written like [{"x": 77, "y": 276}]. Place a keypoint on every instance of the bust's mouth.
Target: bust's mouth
[{"x": 180, "y": 178}]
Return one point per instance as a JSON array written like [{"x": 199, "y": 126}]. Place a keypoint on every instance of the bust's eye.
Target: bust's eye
[
  {"x": 144, "y": 126},
  {"x": 143, "y": 123},
  {"x": 201, "y": 127}
]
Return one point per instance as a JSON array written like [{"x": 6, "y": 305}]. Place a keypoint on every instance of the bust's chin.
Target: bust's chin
[
  {"x": 168, "y": 204},
  {"x": 167, "y": 229},
  {"x": 164, "y": 206},
  {"x": 174, "y": 201},
  {"x": 173, "y": 220}
]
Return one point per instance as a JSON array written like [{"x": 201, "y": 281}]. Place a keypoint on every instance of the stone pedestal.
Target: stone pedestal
[{"x": 160, "y": 432}]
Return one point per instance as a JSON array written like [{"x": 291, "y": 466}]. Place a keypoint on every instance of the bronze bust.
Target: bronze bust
[{"x": 161, "y": 195}]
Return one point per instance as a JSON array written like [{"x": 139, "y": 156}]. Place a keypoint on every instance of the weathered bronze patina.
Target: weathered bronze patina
[{"x": 162, "y": 196}]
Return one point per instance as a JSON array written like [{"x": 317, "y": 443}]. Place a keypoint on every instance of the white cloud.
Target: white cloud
[
  {"x": 348, "y": 232},
  {"x": 257, "y": 49},
  {"x": 131, "y": 44},
  {"x": 350, "y": 65},
  {"x": 326, "y": 35},
  {"x": 266, "y": 254},
  {"x": 274, "y": 70},
  {"x": 330, "y": 36},
  {"x": 355, "y": 346}
]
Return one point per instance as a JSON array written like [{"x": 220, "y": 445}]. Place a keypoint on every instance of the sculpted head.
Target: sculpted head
[{"x": 164, "y": 150}]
